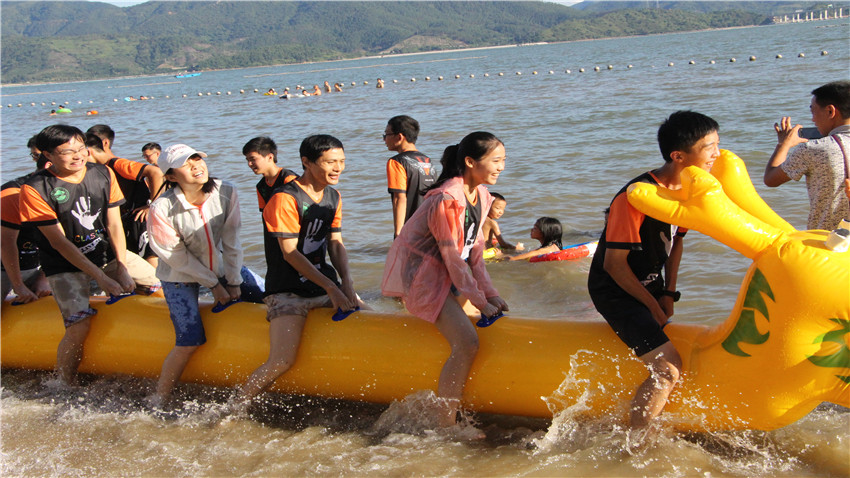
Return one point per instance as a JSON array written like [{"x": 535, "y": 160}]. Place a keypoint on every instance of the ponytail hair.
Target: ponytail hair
[
  {"x": 474, "y": 145},
  {"x": 551, "y": 230}
]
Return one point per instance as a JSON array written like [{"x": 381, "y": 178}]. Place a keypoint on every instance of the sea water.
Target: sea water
[{"x": 573, "y": 139}]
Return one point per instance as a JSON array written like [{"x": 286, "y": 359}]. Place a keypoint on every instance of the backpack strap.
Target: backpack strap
[{"x": 846, "y": 159}]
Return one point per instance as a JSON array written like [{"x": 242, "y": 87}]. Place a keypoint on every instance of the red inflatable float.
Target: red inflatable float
[{"x": 569, "y": 253}]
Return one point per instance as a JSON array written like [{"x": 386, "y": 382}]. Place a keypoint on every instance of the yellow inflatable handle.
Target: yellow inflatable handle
[{"x": 731, "y": 172}]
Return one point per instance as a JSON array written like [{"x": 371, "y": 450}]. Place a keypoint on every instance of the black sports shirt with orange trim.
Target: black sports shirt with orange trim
[
  {"x": 79, "y": 207},
  {"x": 132, "y": 183},
  {"x": 10, "y": 216},
  {"x": 411, "y": 173},
  {"x": 292, "y": 213},
  {"x": 265, "y": 191},
  {"x": 648, "y": 241}
]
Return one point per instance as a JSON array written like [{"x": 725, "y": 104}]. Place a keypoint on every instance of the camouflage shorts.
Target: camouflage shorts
[
  {"x": 287, "y": 303},
  {"x": 71, "y": 291}
]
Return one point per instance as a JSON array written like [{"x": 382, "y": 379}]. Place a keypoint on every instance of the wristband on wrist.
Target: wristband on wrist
[{"x": 675, "y": 295}]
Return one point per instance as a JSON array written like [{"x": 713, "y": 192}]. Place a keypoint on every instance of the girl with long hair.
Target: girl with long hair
[
  {"x": 436, "y": 261},
  {"x": 548, "y": 231}
]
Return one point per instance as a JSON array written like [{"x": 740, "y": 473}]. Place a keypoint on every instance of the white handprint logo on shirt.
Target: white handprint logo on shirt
[
  {"x": 82, "y": 212},
  {"x": 312, "y": 240},
  {"x": 470, "y": 241}
]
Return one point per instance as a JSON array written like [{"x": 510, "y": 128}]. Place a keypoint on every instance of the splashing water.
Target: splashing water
[
  {"x": 104, "y": 428},
  {"x": 420, "y": 413}
]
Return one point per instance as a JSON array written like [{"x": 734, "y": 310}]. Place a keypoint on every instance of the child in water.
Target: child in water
[
  {"x": 194, "y": 230},
  {"x": 437, "y": 259},
  {"x": 490, "y": 229},
  {"x": 548, "y": 231}
]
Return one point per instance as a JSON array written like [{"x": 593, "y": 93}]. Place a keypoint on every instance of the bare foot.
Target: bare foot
[
  {"x": 155, "y": 401},
  {"x": 237, "y": 406}
]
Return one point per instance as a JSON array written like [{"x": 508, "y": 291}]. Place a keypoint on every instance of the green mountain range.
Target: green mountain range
[{"x": 64, "y": 41}]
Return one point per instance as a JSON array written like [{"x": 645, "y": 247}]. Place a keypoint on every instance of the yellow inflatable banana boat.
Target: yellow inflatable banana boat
[{"x": 782, "y": 351}]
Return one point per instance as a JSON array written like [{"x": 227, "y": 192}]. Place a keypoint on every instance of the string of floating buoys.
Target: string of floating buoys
[{"x": 457, "y": 76}]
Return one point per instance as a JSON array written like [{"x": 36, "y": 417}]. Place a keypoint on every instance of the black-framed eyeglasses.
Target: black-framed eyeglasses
[
  {"x": 384, "y": 136},
  {"x": 35, "y": 155}
]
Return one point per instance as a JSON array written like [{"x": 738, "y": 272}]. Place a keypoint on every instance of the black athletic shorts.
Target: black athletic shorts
[{"x": 632, "y": 322}]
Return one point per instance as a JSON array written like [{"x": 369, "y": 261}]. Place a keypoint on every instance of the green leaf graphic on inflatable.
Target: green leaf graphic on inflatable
[
  {"x": 745, "y": 330},
  {"x": 841, "y": 357}
]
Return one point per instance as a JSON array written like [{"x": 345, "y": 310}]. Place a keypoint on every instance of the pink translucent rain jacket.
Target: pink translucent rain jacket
[{"x": 424, "y": 260}]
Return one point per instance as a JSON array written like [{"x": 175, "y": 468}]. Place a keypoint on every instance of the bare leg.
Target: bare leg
[
  {"x": 69, "y": 354},
  {"x": 284, "y": 337},
  {"x": 455, "y": 326},
  {"x": 172, "y": 368},
  {"x": 664, "y": 365}
]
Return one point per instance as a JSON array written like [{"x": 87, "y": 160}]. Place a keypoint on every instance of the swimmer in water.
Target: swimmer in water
[
  {"x": 548, "y": 231},
  {"x": 492, "y": 233}
]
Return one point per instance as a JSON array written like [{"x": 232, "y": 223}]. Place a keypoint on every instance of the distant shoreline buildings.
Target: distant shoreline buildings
[{"x": 802, "y": 16}]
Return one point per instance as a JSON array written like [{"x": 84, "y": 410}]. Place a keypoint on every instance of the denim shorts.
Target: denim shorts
[{"x": 182, "y": 300}]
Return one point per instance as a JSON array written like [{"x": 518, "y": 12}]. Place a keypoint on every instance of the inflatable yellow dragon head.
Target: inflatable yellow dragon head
[{"x": 790, "y": 326}]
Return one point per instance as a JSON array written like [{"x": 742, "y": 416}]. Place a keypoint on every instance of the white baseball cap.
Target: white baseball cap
[{"x": 176, "y": 155}]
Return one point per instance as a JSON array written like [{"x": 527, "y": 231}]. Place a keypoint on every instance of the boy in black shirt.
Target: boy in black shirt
[{"x": 625, "y": 280}]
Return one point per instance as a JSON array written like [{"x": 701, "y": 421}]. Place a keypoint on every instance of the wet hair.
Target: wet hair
[
  {"x": 837, "y": 94},
  {"x": 55, "y": 135},
  {"x": 261, "y": 145},
  {"x": 313, "y": 146},
  {"x": 103, "y": 131},
  {"x": 682, "y": 130},
  {"x": 551, "y": 230},
  {"x": 151, "y": 146},
  {"x": 207, "y": 188},
  {"x": 405, "y": 125},
  {"x": 498, "y": 196},
  {"x": 475, "y": 145}
]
